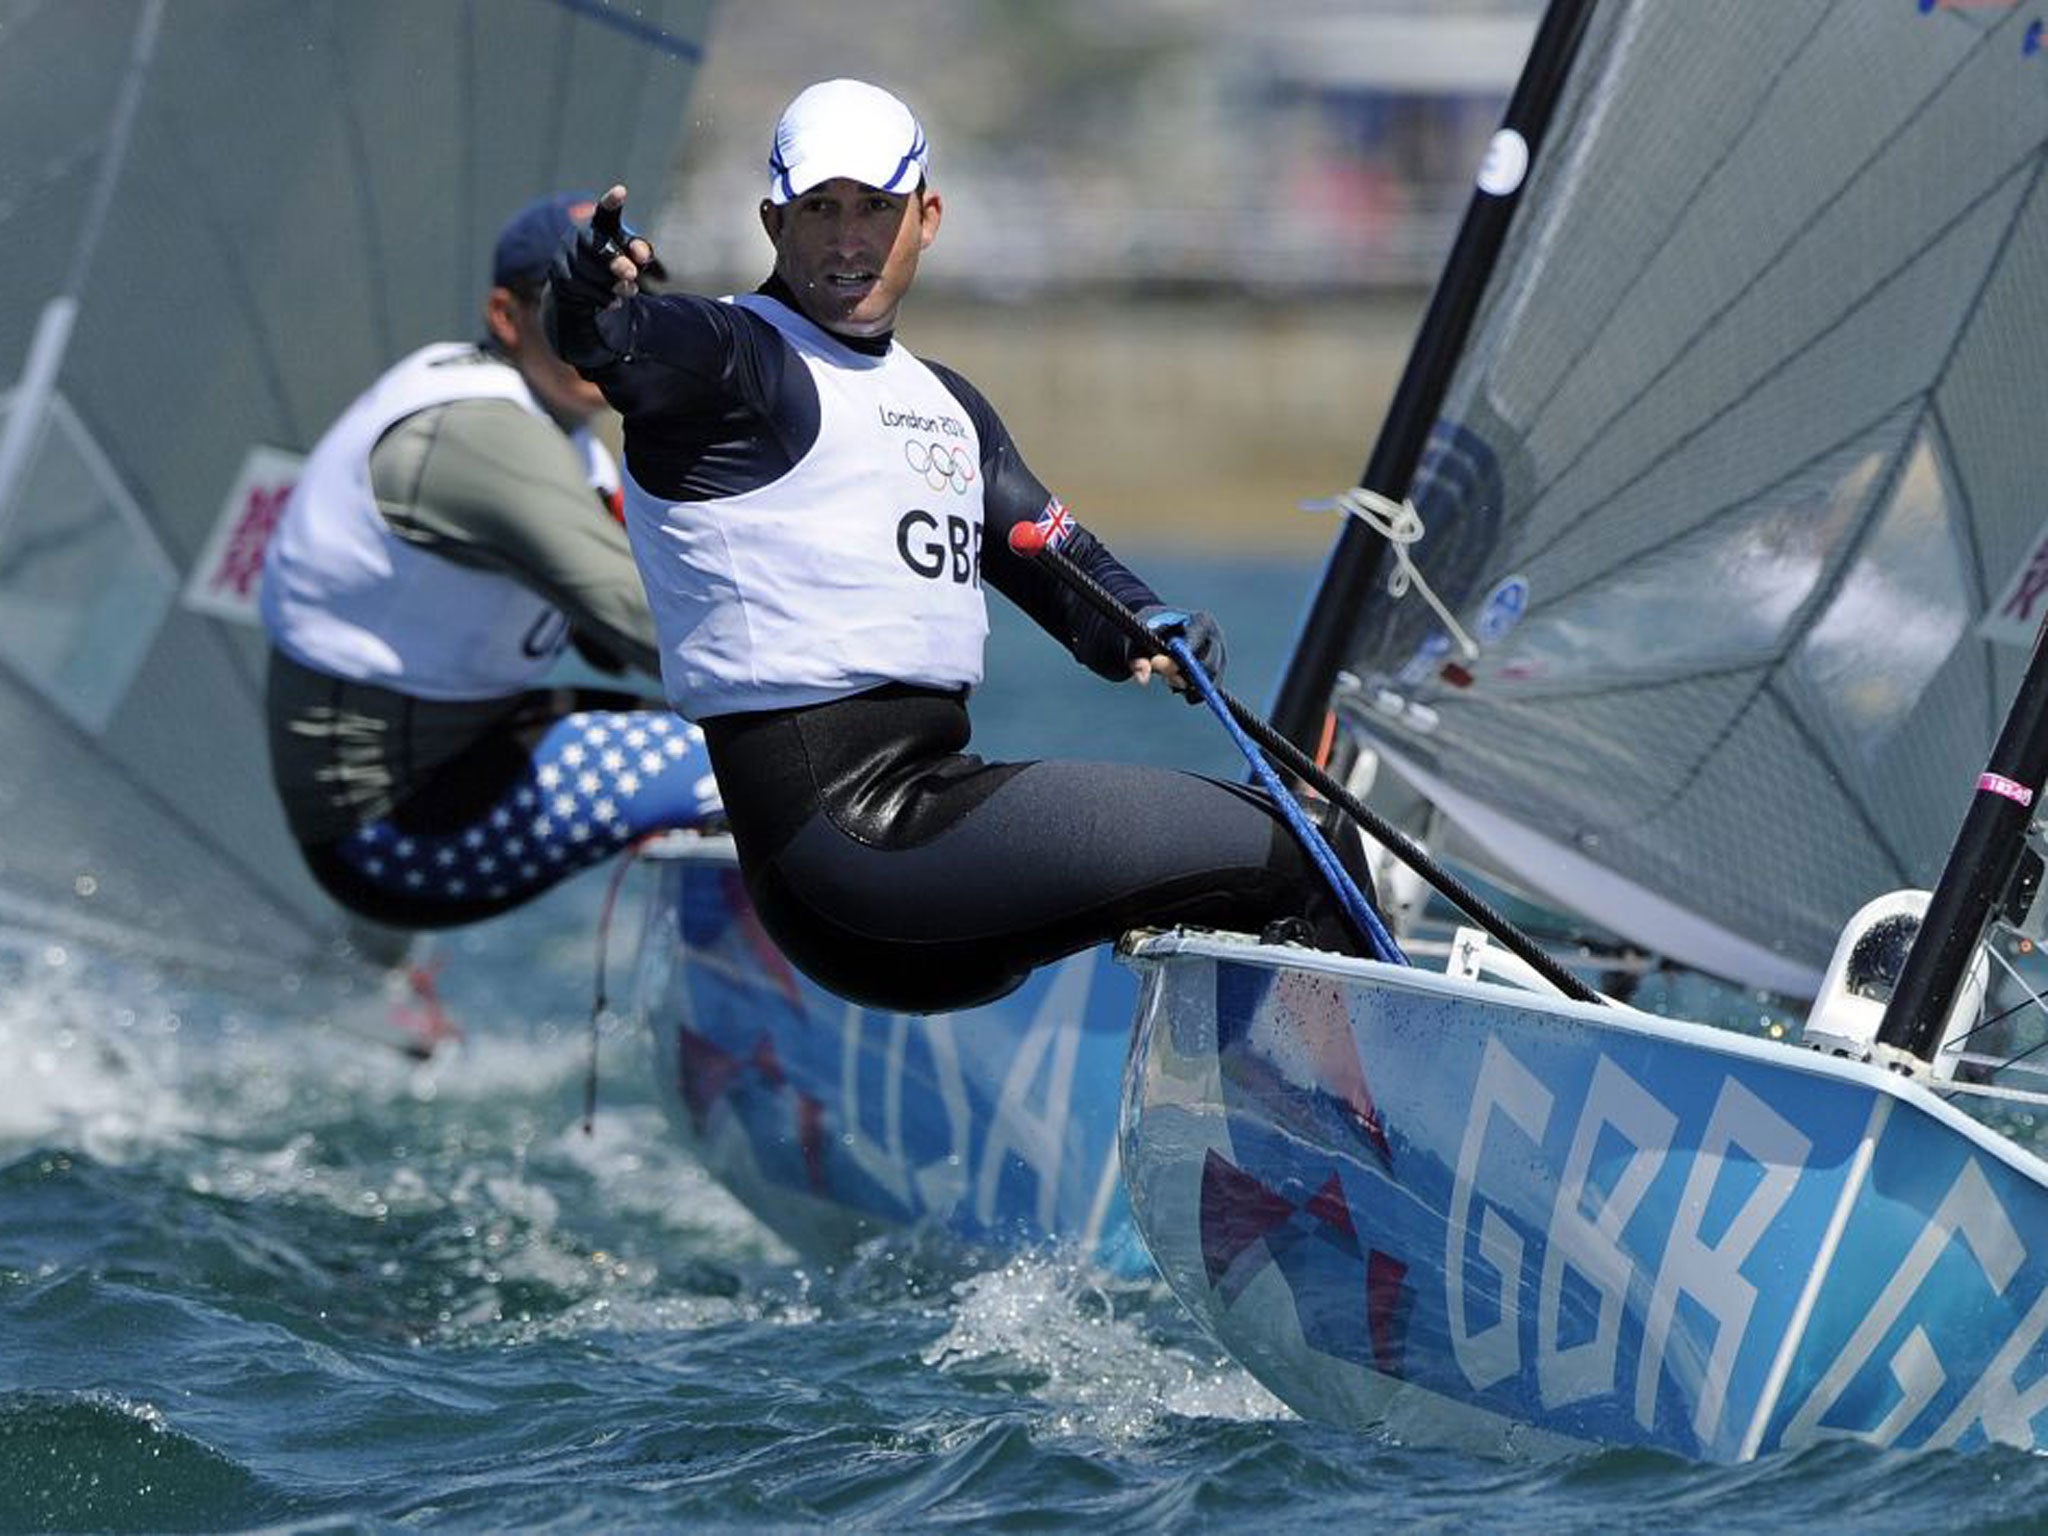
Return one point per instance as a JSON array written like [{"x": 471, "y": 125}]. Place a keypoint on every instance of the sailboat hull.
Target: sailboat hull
[
  {"x": 834, "y": 1122},
  {"x": 1476, "y": 1214}
]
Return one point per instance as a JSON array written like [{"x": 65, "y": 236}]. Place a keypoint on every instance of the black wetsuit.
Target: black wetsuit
[{"x": 892, "y": 866}]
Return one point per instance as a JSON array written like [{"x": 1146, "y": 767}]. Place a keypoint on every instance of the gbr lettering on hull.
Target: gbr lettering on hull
[
  {"x": 1584, "y": 1238},
  {"x": 1494, "y": 1268}
]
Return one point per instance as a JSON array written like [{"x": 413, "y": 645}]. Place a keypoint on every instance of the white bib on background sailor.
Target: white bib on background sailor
[
  {"x": 861, "y": 566},
  {"x": 345, "y": 595}
]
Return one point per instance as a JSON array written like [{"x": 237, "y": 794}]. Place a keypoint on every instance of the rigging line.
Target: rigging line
[
  {"x": 1793, "y": 238},
  {"x": 646, "y": 33},
  {"x": 357, "y": 144},
  {"x": 1754, "y": 386},
  {"x": 1401, "y": 527},
  {"x": 1030, "y": 543},
  {"x": 287, "y": 907},
  {"x": 1355, "y": 905},
  {"x": 2032, "y": 999},
  {"x": 1613, "y": 307},
  {"x": 1711, "y": 321}
]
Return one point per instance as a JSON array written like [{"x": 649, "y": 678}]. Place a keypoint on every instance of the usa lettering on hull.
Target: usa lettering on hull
[
  {"x": 833, "y": 1120},
  {"x": 1019, "y": 1158},
  {"x": 874, "y": 1133}
]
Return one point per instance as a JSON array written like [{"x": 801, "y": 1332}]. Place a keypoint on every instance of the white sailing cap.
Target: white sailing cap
[{"x": 846, "y": 128}]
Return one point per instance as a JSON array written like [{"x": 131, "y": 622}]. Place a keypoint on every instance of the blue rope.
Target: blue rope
[{"x": 1310, "y": 836}]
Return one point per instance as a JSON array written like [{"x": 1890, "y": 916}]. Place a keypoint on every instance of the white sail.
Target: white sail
[
  {"x": 1740, "y": 479},
  {"x": 218, "y": 220}
]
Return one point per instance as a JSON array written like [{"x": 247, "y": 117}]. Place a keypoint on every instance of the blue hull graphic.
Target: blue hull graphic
[
  {"x": 833, "y": 1122},
  {"x": 1391, "y": 1193}
]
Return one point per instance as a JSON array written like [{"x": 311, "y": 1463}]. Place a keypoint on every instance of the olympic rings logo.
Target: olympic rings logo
[{"x": 941, "y": 464}]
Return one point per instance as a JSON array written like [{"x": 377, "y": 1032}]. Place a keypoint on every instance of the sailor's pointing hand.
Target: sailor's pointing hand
[
  {"x": 604, "y": 259},
  {"x": 631, "y": 255}
]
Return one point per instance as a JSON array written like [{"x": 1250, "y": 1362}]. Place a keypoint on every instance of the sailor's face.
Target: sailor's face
[
  {"x": 515, "y": 321},
  {"x": 564, "y": 391},
  {"x": 849, "y": 252}
]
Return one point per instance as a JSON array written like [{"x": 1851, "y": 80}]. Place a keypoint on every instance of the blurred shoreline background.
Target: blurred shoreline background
[{"x": 1186, "y": 243}]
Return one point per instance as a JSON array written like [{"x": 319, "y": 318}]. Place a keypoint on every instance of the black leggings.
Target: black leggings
[{"x": 900, "y": 873}]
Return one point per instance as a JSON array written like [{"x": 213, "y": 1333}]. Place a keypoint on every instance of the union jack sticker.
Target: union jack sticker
[{"x": 1055, "y": 522}]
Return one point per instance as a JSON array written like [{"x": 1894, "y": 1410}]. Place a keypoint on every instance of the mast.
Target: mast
[
  {"x": 1354, "y": 563},
  {"x": 1979, "y": 870}
]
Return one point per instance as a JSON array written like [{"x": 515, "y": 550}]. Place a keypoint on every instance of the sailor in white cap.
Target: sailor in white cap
[
  {"x": 815, "y": 510},
  {"x": 846, "y": 128}
]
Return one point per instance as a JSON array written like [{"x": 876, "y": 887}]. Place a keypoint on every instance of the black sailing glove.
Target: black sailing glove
[
  {"x": 1201, "y": 632},
  {"x": 581, "y": 273},
  {"x": 579, "y": 290}
]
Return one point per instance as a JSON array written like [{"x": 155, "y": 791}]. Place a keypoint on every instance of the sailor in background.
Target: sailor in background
[
  {"x": 449, "y": 536},
  {"x": 815, "y": 510}
]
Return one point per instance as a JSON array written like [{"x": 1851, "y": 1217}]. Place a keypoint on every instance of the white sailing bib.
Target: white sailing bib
[
  {"x": 861, "y": 566},
  {"x": 345, "y": 595}
]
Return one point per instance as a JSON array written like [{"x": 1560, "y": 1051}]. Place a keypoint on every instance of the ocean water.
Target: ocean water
[{"x": 259, "y": 1272}]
